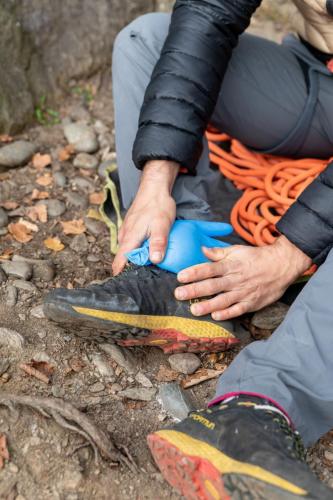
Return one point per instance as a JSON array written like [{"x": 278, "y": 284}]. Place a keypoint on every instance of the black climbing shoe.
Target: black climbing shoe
[
  {"x": 138, "y": 307},
  {"x": 242, "y": 450}
]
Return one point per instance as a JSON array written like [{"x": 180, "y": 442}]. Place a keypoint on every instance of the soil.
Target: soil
[{"x": 46, "y": 460}]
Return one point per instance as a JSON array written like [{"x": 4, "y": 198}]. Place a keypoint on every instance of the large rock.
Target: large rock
[{"x": 44, "y": 45}]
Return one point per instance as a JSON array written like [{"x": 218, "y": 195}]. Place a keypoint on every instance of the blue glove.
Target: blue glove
[{"x": 184, "y": 246}]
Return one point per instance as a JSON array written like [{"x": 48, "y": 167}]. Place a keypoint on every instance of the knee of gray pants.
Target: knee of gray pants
[{"x": 147, "y": 27}]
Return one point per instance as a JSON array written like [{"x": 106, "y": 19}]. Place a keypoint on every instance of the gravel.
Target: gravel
[
  {"x": 86, "y": 161},
  {"x": 82, "y": 137},
  {"x": 55, "y": 208},
  {"x": 3, "y": 218},
  {"x": 17, "y": 153},
  {"x": 18, "y": 269},
  {"x": 186, "y": 363}
]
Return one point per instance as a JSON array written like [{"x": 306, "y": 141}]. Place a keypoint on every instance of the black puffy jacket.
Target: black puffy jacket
[{"x": 182, "y": 95}]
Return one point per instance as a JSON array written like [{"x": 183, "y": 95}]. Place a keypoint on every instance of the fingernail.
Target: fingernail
[
  {"x": 196, "y": 310},
  {"x": 156, "y": 257},
  {"x": 216, "y": 316},
  {"x": 180, "y": 294}
]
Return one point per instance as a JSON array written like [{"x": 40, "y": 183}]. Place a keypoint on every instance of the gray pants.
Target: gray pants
[{"x": 264, "y": 103}]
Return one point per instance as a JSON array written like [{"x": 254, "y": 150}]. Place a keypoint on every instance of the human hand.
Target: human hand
[
  {"x": 151, "y": 214},
  {"x": 242, "y": 278}
]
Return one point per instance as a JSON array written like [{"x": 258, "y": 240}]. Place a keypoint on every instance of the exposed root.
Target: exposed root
[{"x": 69, "y": 417}]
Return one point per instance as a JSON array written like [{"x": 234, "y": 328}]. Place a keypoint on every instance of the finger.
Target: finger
[
  {"x": 120, "y": 259},
  {"x": 205, "y": 288},
  {"x": 232, "y": 312},
  {"x": 213, "y": 228},
  {"x": 200, "y": 272},
  {"x": 213, "y": 243},
  {"x": 220, "y": 302},
  {"x": 216, "y": 254},
  {"x": 158, "y": 240},
  {"x": 118, "y": 264}
]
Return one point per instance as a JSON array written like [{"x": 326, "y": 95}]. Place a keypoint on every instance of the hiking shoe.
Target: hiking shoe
[
  {"x": 244, "y": 450},
  {"x": 138, "y": 307}
]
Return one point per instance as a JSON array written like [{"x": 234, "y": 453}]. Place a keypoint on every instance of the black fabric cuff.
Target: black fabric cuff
[{"x": 155, "y": 142}]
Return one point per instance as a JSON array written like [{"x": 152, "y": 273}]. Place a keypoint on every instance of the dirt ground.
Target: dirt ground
[{"x": 47, "y": 460}]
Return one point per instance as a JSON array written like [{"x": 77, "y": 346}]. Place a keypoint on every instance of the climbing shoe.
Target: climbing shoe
[
  {"x": 244, "y": 449},
  {"x": 137, "y": 307}
]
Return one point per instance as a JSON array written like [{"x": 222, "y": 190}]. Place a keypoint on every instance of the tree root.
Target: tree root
[{"x": 68, "y": 417}]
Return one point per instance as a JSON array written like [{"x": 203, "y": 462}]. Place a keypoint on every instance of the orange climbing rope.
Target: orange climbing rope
[{"x": 270, "y": 184}]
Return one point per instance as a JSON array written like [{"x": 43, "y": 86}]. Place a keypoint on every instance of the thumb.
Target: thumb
[{"x": 215, "y": 254}]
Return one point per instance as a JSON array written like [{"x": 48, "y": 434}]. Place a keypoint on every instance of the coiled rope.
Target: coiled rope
[{"x": 270, "y": 184}]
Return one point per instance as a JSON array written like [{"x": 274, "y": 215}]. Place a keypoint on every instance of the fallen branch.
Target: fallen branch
[{"x": 69, "y": 417}]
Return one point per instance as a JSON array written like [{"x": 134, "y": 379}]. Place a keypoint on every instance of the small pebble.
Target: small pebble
[
  {"x": 115, "y": 388},
  {"x": 175, "y": 401},
  {"x": 139, "y": 393},
  {"x": 55, "y": 208},
  {"x": 76, "y": 200},
  {"x": 102, "y": 366},
  {"x": 82, "y": 137},
  {"x": 3, "y": 231},
  {"x": 41, "y": 334},
  {"x": 143, "y": 380},
  {"x": 97, "y": 387},
  {"x": 86, "y": 161},
  {"x": 57, "y": 391},
  {"x": 79, "y": 243},
  {"x": 186, "y": 363},
  {"x": 94, "y": 227},
  {"x": 103, "y": 168},
  {"x": 24, "y": 285},
  {"x": 83, "y": 184},
  {"x": 329, "y": 455},
  {"x": 3, "y": 276},
  {"x": 3, "y": 218},
  {"x": 60, "y": 179},
  {"x": 17, "y": 269},
  {"x": 17, "y": 153},
  {"x": 37, "y": 312},
  {"x": 43, "y": 270},
  {"x": 11, "y": 294},
  {"x": 93, "y": 258},
  {"x": 11, "y": 338},
  {"x": 122, "y": 357}
]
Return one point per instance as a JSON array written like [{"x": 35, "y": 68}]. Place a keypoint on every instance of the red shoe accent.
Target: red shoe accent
[
  {"x": 193, "y": 477},
  {"x": 172, "y": 341}
]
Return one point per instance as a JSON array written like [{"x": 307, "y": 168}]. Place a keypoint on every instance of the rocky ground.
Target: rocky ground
[{"x": 50, "y": 237}]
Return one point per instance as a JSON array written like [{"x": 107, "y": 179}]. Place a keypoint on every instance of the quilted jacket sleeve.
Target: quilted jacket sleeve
[
  {"x": 309, "y": 221},
  {"x": 186, "y": 80}
]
